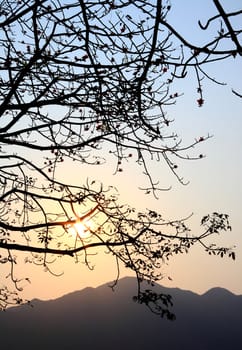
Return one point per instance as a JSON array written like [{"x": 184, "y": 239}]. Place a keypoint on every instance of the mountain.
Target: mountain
[{"x": 97, "y": 318}]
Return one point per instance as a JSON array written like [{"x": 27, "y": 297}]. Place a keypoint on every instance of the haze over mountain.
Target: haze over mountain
[{"x": 97, "y": 318}]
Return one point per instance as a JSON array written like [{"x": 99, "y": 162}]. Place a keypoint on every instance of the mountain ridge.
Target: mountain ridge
[
  {"x": 98, "y": 318},
  {"x": 170, "y": 290}
]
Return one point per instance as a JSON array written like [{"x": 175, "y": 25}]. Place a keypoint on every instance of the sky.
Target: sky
[{"x": 214, "y": 181}]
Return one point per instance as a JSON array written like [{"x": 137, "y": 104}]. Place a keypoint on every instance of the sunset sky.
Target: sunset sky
[{"x": 214, "y": 181}]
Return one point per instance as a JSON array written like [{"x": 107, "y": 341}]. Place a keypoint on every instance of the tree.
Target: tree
[{"x": 83, "y": 78}]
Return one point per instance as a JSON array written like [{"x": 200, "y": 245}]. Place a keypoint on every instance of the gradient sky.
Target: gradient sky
[{"x": 214, "y": 182}]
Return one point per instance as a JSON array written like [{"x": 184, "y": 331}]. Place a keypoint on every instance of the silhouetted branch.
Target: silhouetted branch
[{"x": 83, "y": 81}]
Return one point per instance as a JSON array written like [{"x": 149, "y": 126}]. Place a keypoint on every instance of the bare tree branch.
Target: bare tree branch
[{"x": 84, "y": 81}]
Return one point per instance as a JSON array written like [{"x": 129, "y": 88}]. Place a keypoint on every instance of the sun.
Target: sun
[{"x": 82, "y": 228}]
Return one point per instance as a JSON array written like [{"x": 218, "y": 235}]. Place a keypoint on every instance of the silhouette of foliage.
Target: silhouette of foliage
[{"x": 82, "y": 80}]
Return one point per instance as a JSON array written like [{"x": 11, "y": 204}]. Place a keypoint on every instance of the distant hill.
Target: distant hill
[{"x": 97, "y": 318}]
